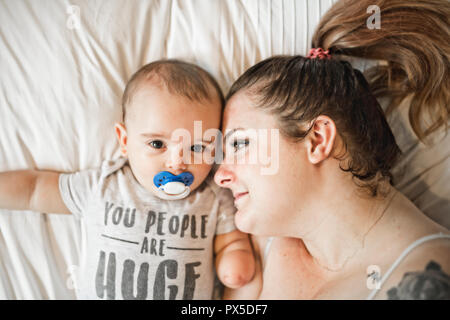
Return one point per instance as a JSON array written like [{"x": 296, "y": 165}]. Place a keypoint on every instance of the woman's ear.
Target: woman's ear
[
  {"x": 121, "y": 133},
  {"x": 321, "y": 139}
]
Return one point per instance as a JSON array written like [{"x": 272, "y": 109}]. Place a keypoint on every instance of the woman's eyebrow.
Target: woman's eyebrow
[{"x": 230, "y": 132}]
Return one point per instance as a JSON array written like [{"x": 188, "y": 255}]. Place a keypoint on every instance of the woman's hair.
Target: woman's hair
[
  {"x": 414, "y": 41},
  {"x": 296, "y": 90}
]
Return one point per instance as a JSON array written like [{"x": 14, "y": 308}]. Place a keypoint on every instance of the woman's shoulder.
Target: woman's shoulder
[
  {"x": 407, "y": 246},
  {"x": 421, "y": 271}
]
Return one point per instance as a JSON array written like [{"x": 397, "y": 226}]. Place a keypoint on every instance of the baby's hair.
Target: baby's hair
[
  {"x": 179, "y": 77},
  {"x": 296, "y": 90}
]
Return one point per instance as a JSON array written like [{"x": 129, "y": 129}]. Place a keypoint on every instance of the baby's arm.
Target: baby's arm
[
  {"x": 235, "y": 263},
  {"x": 31, "y": 190},
  {"x": 251, "y": 290}
]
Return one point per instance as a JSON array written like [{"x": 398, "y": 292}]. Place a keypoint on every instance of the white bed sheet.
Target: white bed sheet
[{"x": 60, "y": 92}]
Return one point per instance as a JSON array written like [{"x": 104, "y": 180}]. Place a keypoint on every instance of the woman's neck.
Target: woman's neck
[{"x": 341, "y": 231}]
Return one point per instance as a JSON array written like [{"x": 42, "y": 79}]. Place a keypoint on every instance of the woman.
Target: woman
[{"x": 341, "y": 230}]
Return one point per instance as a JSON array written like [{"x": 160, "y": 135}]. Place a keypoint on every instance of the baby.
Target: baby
[{"x": 154, "y": 219}]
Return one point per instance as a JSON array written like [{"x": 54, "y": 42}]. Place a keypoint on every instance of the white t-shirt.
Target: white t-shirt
[{"x": 137, "y": 246}]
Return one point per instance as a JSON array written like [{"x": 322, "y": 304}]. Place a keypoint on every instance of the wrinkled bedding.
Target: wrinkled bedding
[{"x": 64, "y": 65}]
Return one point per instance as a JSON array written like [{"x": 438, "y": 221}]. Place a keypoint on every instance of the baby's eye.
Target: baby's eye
[
  {"x": 197, "y": 148},
  {"x": 238, "y": 143},
  {"x": 156, "y": 144}
]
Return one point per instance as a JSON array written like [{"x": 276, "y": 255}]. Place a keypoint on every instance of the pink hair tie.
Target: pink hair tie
[{"x": 318, "y": 53}]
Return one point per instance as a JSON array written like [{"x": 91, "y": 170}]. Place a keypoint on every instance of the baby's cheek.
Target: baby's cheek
[
  {"x": 144, "y": 169},
  {"x": 200, "y": 173}
]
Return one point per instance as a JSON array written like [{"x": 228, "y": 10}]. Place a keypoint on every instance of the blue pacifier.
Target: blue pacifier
[{"x": 172, "y": 187}]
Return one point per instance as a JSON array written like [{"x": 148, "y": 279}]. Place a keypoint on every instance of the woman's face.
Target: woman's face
[{"x": 268, "y": 195}]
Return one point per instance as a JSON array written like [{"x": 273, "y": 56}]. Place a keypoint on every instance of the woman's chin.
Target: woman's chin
[{"x": 242, "y": 221}]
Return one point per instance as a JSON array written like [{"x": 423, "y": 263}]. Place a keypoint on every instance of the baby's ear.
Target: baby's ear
[{"x": 121, "y": 134}]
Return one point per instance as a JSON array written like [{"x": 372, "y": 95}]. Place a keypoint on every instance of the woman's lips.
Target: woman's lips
[{"x": 239, "y": 195}]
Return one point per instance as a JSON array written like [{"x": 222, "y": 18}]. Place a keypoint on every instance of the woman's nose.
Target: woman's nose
[
  {"x": 224, "y": 177},
  {"x": 175, "y": 162}
]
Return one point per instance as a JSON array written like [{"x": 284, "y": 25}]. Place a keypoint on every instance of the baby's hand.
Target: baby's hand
[{"x": 235, "y": 263}]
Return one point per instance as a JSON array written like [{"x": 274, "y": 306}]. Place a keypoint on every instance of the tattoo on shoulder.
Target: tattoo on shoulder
[{"x": 430, "y": 284}]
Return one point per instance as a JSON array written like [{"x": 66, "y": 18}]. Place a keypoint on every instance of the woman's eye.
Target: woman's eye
[
  {"x": 197, "y": 148},
  {"x": 238, "y": 144},
  {"x": 156, "y": 144}
]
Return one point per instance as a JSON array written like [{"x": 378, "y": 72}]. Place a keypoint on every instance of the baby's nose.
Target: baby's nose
[{"x": 175, "y": 162}]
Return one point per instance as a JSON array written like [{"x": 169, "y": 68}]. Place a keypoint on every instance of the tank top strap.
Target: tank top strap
[
  {"x": 405, "y": 252},
  {"x": 266, "y": 251}
]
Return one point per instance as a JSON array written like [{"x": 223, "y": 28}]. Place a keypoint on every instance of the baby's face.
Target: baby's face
[{"x": 159, "y": 135}]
